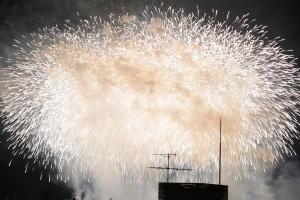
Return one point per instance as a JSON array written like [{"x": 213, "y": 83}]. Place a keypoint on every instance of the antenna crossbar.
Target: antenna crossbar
[{"x": 168, "y": 168}]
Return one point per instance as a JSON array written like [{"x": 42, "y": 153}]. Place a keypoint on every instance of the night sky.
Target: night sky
[{"x": 22, "y": 17}]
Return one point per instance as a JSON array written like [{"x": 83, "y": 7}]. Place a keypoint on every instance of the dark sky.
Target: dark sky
[{"x": 21, "y": 17}]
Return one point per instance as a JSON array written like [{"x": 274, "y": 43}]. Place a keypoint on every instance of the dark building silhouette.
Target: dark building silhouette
[{"x": 192, "y": 191}]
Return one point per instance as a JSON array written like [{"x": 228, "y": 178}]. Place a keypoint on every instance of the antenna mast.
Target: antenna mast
[
  {"x": 168, "y": 155},
  {"x": 220, "y": 157}
]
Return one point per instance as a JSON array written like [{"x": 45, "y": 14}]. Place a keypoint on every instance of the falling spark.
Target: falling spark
[{"x": 104, "y": 95}]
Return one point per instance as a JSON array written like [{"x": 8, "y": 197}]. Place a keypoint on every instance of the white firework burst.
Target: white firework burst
[{"x": 105, "y": 95}]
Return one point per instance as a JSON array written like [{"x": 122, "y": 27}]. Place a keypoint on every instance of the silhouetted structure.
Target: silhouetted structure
[
  {"x": 168, "y": 168},
  {"x": 192, "y": 191},
  {"x": 46, "y": 196}
]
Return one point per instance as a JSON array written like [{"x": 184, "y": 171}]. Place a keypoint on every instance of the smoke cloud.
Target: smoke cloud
[
  {"x": 26, "y": 17},
  {"x": 276, "y": 184}
]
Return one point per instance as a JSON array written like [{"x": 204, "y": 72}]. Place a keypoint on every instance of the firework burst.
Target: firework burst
[{"x": 107, "y": 94}]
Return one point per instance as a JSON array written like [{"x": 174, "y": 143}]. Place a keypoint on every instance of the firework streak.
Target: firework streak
[{"x": 105, "y": 95}]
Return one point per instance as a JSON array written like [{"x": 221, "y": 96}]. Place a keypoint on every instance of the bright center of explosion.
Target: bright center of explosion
[{"x": 106, "y": 95}]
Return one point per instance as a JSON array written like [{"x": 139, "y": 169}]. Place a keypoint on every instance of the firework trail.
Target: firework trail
[{"x": 105, "y": 95}]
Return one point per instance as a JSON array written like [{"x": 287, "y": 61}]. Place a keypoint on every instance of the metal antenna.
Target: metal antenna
[
  {"x": 220, "y": 157},
  {"x": 168, "y": 155}
]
